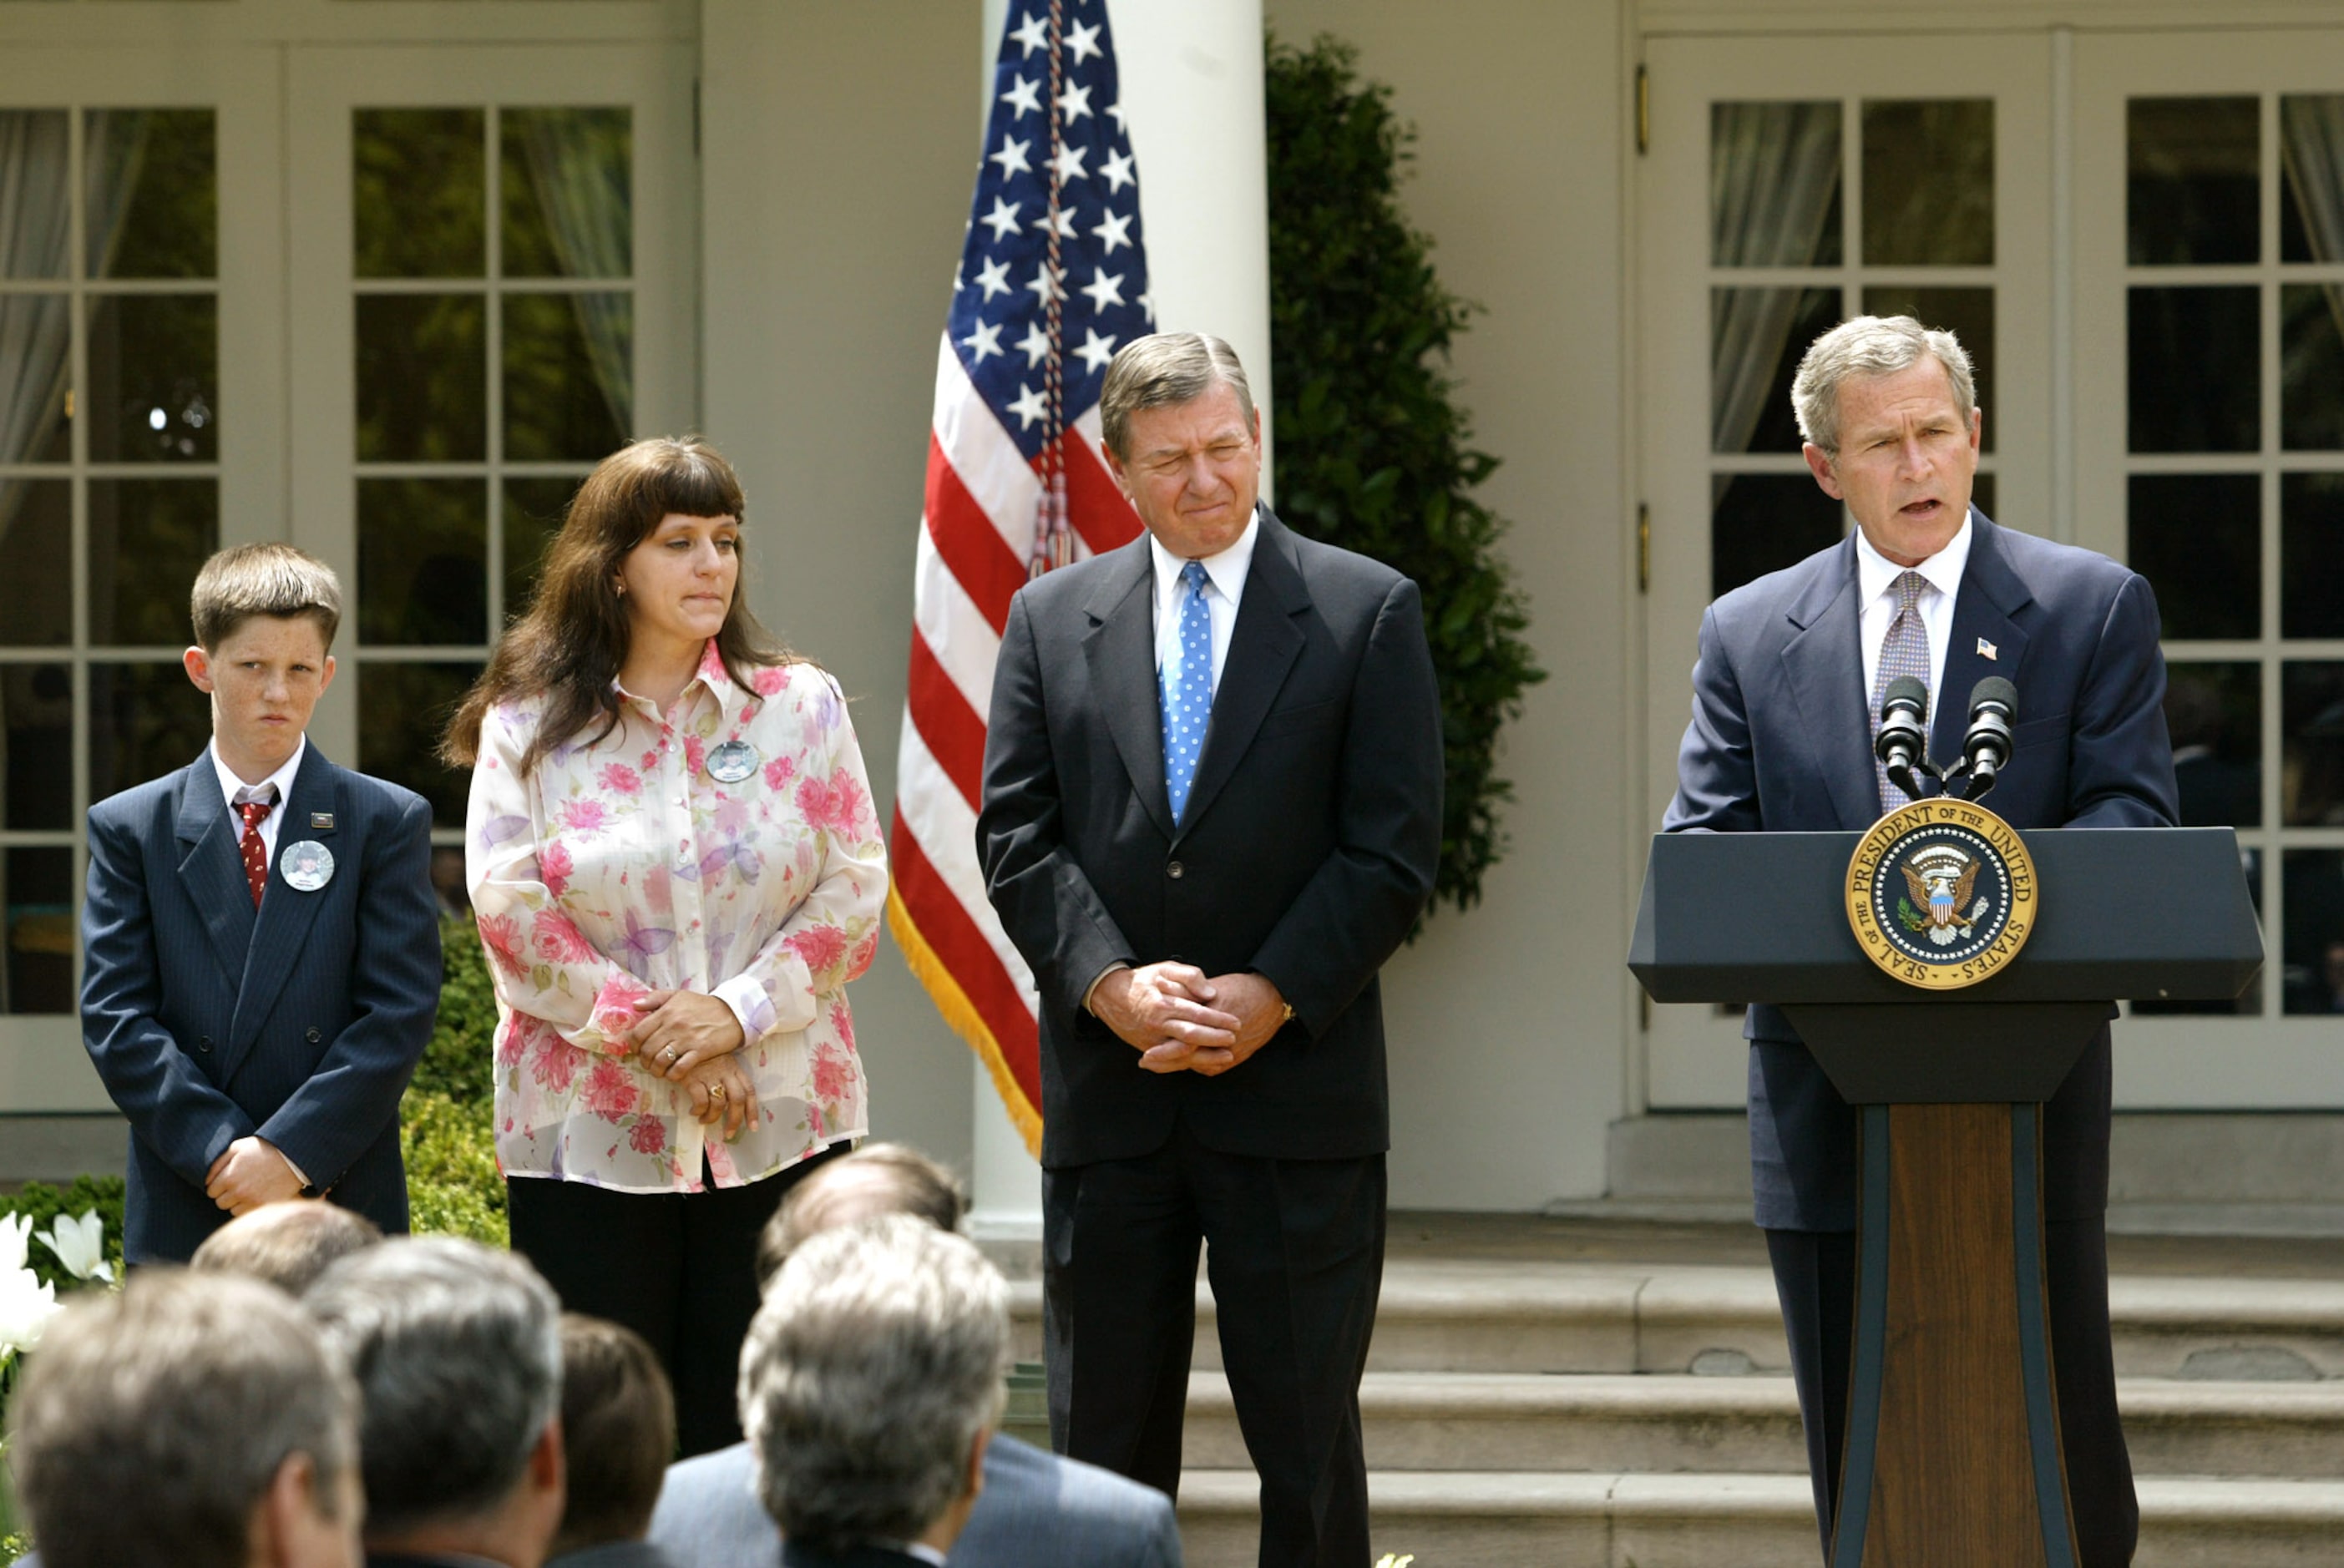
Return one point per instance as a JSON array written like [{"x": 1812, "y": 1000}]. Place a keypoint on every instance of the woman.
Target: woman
[{"x": 675, "y": 869}]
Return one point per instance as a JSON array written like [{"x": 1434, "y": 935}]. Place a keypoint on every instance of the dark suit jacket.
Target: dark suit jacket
[
  {"x": 300, "y": 1023},
  {"x": 1313, "y": 832},
  {"x": 796, "y": 1557},
  {"x": 1781, "y": 742}
]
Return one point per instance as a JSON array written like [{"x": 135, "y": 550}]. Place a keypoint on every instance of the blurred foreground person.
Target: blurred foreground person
[
  {"x": 870, "y": 1386},
  {"x": 457, "y": 1351},
  {"x": 618, "y": 1432},
  {"x": 189, "y": 1421},
  {"x": 1037, "y": 1510},
  {"x": 288, "y": 1244}
]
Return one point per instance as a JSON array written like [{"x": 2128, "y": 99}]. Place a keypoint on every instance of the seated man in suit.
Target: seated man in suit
[
  {"x": 196, "y": 1420},
  {"x": 870, "y": 1385},
  {"x": 286, "y": 1244},
  {"x": 263, "y": 948},
  {"x": 618, "y": 1432},
  {"x": 1037, "y": 1510},
  {"x": 1793, "y": 671},
  {"x": 456, "y": 1349}
]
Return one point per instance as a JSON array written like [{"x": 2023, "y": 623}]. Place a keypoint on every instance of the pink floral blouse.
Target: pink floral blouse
[{"x": 629, "y": 866}]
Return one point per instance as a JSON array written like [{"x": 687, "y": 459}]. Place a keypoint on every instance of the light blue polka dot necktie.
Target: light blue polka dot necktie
[{"x": 1184, "y": 689}]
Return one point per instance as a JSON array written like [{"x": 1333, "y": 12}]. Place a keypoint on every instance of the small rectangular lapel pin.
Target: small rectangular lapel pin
[
  {"x": 1987, "y": 649},
  {"x": 324, "y": 820}
]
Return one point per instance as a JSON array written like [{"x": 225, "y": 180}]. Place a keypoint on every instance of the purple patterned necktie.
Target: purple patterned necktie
[{"x": 1904, "y": 652}]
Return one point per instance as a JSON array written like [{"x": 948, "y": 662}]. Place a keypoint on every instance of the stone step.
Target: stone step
[
  {"x": 1656, "y": 1423},
  {"x": 1476, "y": 1316},
  {"x": 1610, "y": 1520}
]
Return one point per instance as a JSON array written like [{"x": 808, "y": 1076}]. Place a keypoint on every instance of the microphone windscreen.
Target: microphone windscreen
[
  {"x": 1904, "y": 691},
  {"x": 1994, "y": 689}
]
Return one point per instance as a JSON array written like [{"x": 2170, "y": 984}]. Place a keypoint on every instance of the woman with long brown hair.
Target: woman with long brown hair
[{"x": 675, "y": 869}]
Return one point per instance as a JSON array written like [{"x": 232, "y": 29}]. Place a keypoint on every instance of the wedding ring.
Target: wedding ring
[
  {"x": 668, "y": 1054},
  {"x": 715, "y": 1091}
]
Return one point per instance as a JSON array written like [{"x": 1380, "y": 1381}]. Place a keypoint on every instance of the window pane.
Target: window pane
[
  {"x": 39, "y": 328},
  {"x": 2194, "y": 372},
  {"x": 2311, "y": 555},
  {"x": 154, "y": 378},
  {"x": 402, "y": 711},
  {"x": 569, "y": 375},
  {"x": 1982, "y": 494},
  {"x": 2214, "y": 712},
  {"x": 147, "y": 537},
  {"x": 1756, "y": 338},
  {"x": 2249, "y": 1004},
  {"x": 36, "y": 893},
  {"x": 2312, "y": 966},
  {"x": 36, "y": 561},
  {"x": 32, "y": 148},
  {"x": 1967, "y": 313},
  {"x": 1773, "y": 185},
  {"x": 423, "y": 372},
  {"x": 1928, "y": 182},
  {"x": 533, "y": 512},
  {"x": 36, "y": 720},
  {"x": 423, "y": 560},
  {"x": 418, "y": 193},
  {"x": 144, "y": 720},
  {"x": 2312, "y": 785},
  {"x": 2192, "y": 168},
  {"x": 1763, "y": 522},
  {"x": 2310, "y": 184},
  {"x": 153, "y": 193},
  {"x": 2198, "y": 540},
  {"x": 567, "y": 182},
  {"x": 2311, "y": 367}
]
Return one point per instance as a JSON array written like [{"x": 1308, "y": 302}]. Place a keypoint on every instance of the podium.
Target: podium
[{"x": 1952, "y": 1449}]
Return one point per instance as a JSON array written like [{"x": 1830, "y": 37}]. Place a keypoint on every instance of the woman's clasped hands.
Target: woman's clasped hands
[{"x": 692, "y": 1039}]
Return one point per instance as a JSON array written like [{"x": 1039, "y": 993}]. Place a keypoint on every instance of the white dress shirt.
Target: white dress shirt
[
  {"x": 1225, "y": 583},
  {"x": 1875, "y": 587},
  {"x": 282, "y": 779}
]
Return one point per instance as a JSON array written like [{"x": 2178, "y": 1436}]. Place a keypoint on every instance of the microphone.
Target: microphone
[
  {"x": 1903, "y": 739},
  {"x": 1986, "y": 744}
]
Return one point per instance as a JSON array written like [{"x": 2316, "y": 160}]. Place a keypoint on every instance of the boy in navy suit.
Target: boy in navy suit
[{"x": 263, "y": 950}]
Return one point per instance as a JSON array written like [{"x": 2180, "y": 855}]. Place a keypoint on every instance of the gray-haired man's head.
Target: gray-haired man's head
[
  {"x": 456, "y": 1349},
  {"x": 871, "y": 1375},
  {"x": 877, "y": 1178},
  {"x": 157, "y": 1425},
  {"x": 286, "y": 1244}
]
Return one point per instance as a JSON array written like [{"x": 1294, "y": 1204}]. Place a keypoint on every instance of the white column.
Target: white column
[{"x": 1191, "y": 75}]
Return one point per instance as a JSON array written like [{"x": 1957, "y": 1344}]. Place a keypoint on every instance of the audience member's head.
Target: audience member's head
[
  {"x": 456, "y": 1349},
  {"x": 194, "y": 1420},
  {"x": 288, "y": 1244},
  {"x": 870, "y": 1383},
  {"x": 877, "y": 1179},
  {"x": 618, "y": 1432}
]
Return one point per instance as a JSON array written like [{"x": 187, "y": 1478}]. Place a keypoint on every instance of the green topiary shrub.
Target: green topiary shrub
[
  {"x": 1372, "y": 450},
  {"x": 447, "y": 1122}
]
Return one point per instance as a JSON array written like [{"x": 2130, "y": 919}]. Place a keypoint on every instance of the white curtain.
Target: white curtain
[
  {"x": 579, "y": 171},
  {"x": 35, "y": 230},
  {"x": 2311, "y": 156},
  {"x": 1773, "y": 172}
]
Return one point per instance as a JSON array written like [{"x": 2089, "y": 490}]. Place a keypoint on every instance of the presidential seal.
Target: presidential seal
[{"x": 1941, "y": 894}]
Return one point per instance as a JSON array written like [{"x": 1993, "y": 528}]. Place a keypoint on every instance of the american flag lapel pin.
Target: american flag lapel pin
[{"x": 1987, "y": 649}]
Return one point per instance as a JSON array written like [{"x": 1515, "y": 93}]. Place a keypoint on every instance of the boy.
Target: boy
[{"x": 263, "y": 951}]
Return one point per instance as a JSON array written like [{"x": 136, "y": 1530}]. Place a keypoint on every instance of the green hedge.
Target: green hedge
[
  {"x": 447, "y": 1122},
  {"x": 1374, "y": 453},
  {"x": 43, "y": 1203}
]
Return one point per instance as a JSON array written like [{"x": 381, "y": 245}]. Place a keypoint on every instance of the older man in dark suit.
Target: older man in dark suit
[
  {"x": 1785, "y": 699},
  {"x": 1212, "y": 809}
]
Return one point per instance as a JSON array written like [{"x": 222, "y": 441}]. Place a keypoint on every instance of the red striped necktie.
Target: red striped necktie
[{"x": 255, "y": 851}]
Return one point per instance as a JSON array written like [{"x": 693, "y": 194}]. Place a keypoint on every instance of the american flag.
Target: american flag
[{"x": 1053, "y": 278}]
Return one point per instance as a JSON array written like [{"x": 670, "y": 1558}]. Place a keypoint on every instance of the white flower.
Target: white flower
[
  {"x": 25, "y": 1307},
  {"x": 15, "y": 1232},
  {"x": 80, "y": 1246}
]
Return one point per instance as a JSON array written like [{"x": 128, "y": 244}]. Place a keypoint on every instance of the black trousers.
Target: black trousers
[
  {"x": 1295, "y": 1261},
  {"x": 678, "y": 1268},
  {"x": 1814, "y": 1276}
]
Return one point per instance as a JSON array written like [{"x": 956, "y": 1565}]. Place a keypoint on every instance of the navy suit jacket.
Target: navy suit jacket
[
  {"x": 301, "y": 1023},
  {"x": 1781, "y": 740},
  {"x": 1306, "y": 853},
  {"x": 1036, "y": 1511}
]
